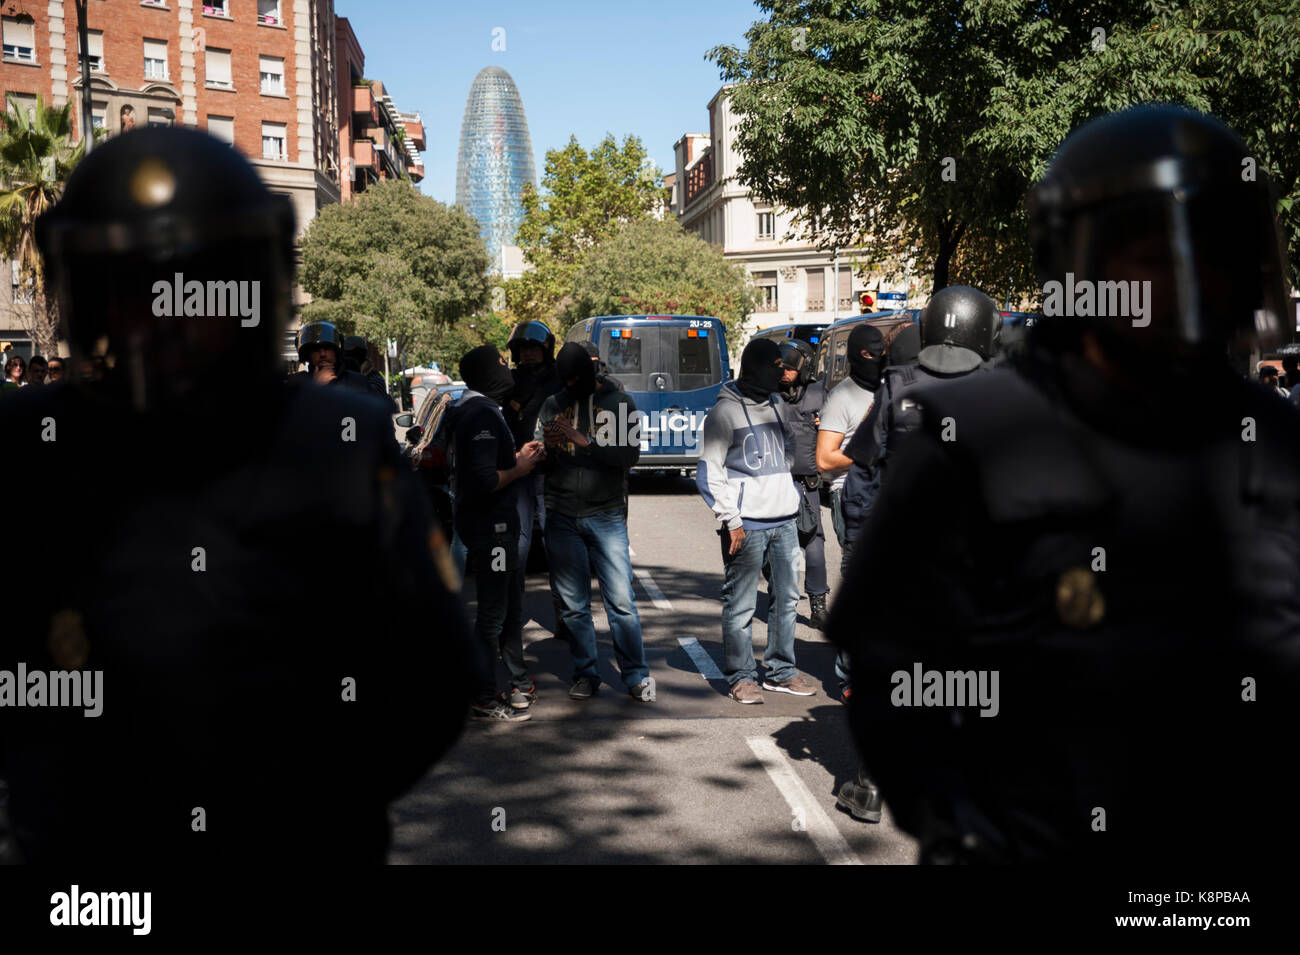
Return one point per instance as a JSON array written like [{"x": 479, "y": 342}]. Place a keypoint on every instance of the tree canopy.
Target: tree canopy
[
  {"x": 918, "y": 126},
  {"x": 396, "y": 264},
  {"x": 657, "y": 267},
  {"x": 585, "y": 197}
]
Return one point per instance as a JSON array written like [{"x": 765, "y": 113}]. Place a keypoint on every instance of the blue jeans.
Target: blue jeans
[
  {"x": 778, "y": 547},
  {"x": 846, "y": 551},
  {"x": 575, "y": 546}
]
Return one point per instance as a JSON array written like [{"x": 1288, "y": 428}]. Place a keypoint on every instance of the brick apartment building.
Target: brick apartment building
[{"x": 281, "y": 80}]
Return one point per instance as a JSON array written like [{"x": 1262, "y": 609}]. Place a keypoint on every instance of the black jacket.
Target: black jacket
[
  {"x": 482, "y": 446},
  {"x": 806, "y": 405},
  {"x": 1123, "y": 569},
  {"x": 581, "y": 482},
  {"x": 224, "y": 669}
]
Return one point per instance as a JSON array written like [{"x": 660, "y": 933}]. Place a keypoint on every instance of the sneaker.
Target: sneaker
[
  {"x": 860, "y": 798},
  {"x": 584, "y": 688},
  {"x": 521, "y": 699},
  {"x": 500, "y": 713},
  {"x": 796, "y": 685},
  {"x": 643, "y": 691},
  {"x": 746, "y": 691}
]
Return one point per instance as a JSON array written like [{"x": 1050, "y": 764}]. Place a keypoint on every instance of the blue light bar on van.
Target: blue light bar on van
[
  {"x": 704, "y": 333},
  {"x": 813, "y": 339},
  {"x": 613, "y": 333}
]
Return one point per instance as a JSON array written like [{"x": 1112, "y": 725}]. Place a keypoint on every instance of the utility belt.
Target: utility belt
[{"x": 811, "y": 481}]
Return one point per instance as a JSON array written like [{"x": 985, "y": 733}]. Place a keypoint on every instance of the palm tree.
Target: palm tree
[{"x": 36, "y": 156}]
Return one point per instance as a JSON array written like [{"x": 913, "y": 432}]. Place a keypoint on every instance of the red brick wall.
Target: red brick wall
[{"x": 246, "y": 40}]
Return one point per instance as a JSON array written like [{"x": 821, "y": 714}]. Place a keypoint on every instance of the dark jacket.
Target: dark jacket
[
  {"x": 225, "y": 669},
  {"x": 581, "y": 482},
  {"x": 1123, "y": 569},
  {"x": 525, "y": 401},
  {"x": 482, "y": 446},
  {"x": 806, "y": 405}
]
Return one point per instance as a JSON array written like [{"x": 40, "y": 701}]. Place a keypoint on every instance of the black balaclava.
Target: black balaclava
[
  {"x": 482, "y": 371},
  {"x": 760, "y": 369},
  {"x": 866, "y": 371},
  {"x": 906, "y": 347},
  {"x": 574, "y": 362}
]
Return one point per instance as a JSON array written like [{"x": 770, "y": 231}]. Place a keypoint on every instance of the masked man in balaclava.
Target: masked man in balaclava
[
  {"x": 593, "y": 437},
  {"x": 847, "y": 405},
  {"x": 746, "y": 450}
]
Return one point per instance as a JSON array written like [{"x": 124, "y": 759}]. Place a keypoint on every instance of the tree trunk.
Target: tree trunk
[
  {"x": 950, "y": 234},
  {"x": 43, "y": 323}
]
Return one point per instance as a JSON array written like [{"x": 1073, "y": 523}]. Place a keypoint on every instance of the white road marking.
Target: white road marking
[
  {"x": 833, "y": 847},
  {"x": 700, "y": 657},
  {"x": 656, "y": 595}
]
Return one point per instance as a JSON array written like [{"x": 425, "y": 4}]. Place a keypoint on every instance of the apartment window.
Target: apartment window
[
  {"x": 222, "y": 127},
  {"x": 19, "y": 40},
  {"x": 846, "y": 288},
  {"x": 95, "y": 50},
  {"x": 273, "y": 140},
  {"x": 271, "y": 70},
  {"x": 766, "y": 282},
  {"x": 155, "y": 59},
  {"x": 98, "y": 114},
  {"x": 216, "y": 8},
  {"x": 268, "y": 11},
  {"x": 767, "y": 225},
  {"x": 159, "y": 116},
  {"x": 217, "y": 66},
  {"x": 21, "y": 101},
  {"x": 816, "y": 284}
]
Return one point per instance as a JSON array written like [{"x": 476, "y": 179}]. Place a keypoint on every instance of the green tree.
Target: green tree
[
  {"x": 37, "y": 154},
  {"x": 917, "y": 126},
  {"x": 657, "y": 267},
  {"x": 393, "y": 263},
  {"x": 586, "y": 197}
]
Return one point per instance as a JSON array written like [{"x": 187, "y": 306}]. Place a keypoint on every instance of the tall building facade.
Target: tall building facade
[
  {"x": 797, "y": 281},
  {"x": 495, "y": 159},
  {"x": 280, "y": 80}
]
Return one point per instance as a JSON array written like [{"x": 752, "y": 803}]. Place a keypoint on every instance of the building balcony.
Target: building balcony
[
  {"x": 415, "y": 172},
  {"x": 699, "y": 177},
  {"x": 364, "y": 156},
  {"x": 365, "y": 104}
]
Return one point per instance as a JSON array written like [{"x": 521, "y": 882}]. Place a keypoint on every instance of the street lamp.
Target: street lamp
[{"x": 87, "y": 119}]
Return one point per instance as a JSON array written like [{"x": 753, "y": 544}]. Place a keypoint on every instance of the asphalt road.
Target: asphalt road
[{"x": 691, "y": 778}]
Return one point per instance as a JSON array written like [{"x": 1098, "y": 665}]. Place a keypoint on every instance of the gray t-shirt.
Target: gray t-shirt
[{"x": 844, "y": 410}]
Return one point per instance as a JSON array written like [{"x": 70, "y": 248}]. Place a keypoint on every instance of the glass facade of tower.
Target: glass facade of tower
[{"x": 495, "y": 160}]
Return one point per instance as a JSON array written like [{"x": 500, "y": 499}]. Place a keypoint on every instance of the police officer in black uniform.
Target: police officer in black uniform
[
  {"x": 245, "y": 712},
  {"x": 320, "y": 348},
  {"x": 532, "y": 351},
  {"x": 958, "y": 334},
  {"x": 806, "y": 398},
  {"x": 1120, "y": 550},
  {"x": 356, "y": 356}
]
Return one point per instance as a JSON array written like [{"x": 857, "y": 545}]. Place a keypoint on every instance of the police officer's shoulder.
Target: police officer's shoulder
[
  {"x": 316, "y": 407},
  {"x": 1026, "y": 461}
]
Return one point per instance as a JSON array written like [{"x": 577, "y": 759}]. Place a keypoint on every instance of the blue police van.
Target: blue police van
[
  {"x": 673, "y": 367},
  {"x": 803, "y": 331}
]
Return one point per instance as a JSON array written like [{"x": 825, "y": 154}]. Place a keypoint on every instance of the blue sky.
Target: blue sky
[{"x": 583, "y": 68}]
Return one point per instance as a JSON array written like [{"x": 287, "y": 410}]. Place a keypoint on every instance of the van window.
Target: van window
[
  {"x": 838, "y": 361},
  {"x": 693, "y": 360}
]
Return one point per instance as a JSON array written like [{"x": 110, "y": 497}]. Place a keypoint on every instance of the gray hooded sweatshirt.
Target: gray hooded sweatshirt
[{"x": 746, "y": 450}]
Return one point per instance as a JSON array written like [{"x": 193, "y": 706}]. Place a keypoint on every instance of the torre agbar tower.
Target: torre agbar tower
[{"x": 495, "y": 159}]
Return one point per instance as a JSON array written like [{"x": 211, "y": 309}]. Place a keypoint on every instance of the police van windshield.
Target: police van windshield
[{"x": 663, "y": 357}]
